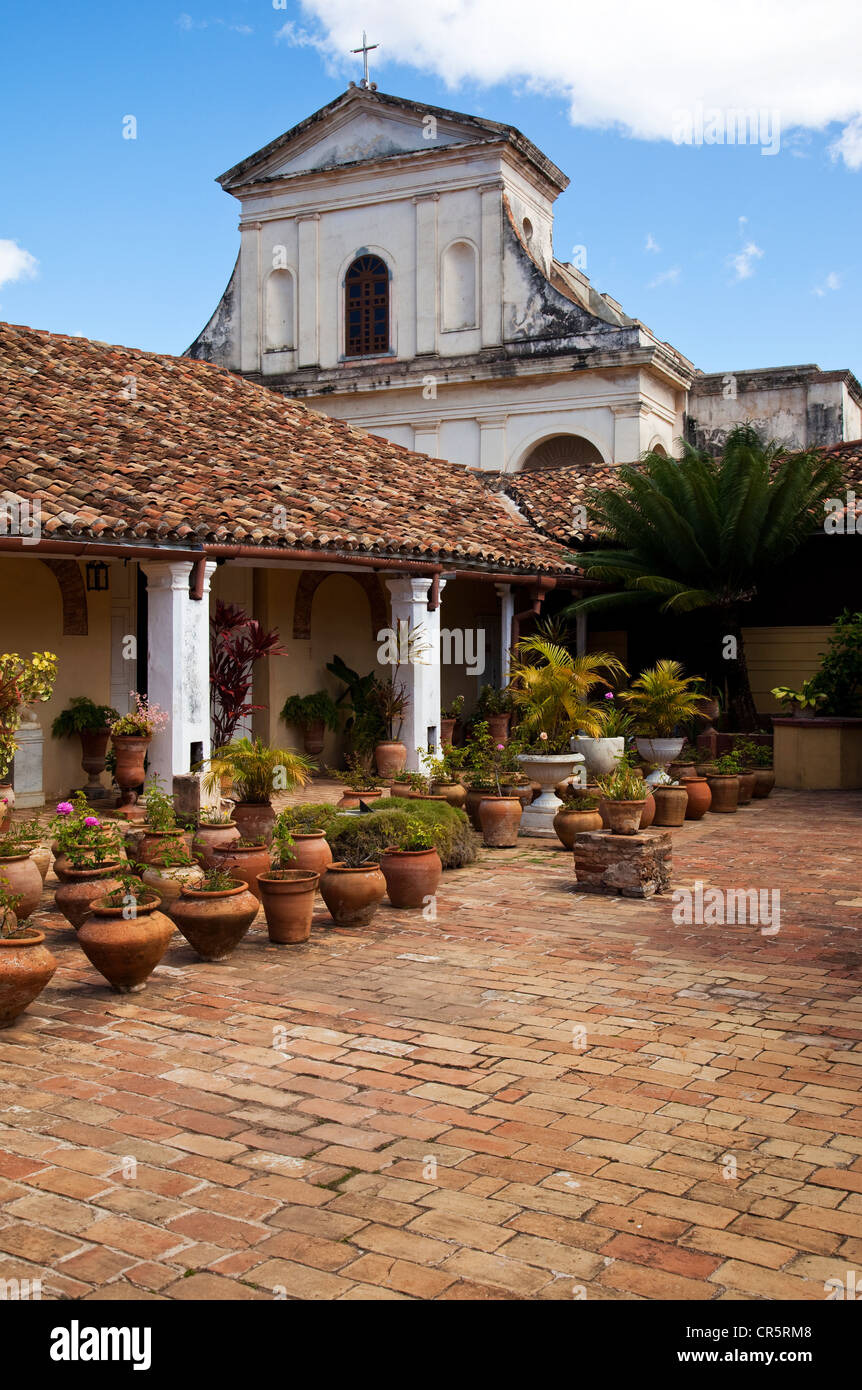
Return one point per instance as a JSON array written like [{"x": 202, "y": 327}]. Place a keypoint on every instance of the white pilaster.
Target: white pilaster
[
  {"x": 249, "y": 296},
  {"x": 420, "y": 675},
  {"x": 492, "y": 264},
  {"x": 178, "y": 664},
  {"x": 426, "y": 272},
  {"x": 426, "y": 438},
  {"x": 631, "y": 427},
  {"x": 307, "y": 290},
  {"x": 492, "y": 444},
  {"x": 507, "y": 613}
]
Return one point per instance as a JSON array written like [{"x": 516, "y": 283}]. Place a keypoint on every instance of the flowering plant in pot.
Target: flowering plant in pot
[
  {"x": 92, "y": 725},
  {"x": 23, "y": 681},
  {"x": 26, "y": 965},
  {"x": 313, "y": 714},
  {"x": 215, "y": 914},
  {"x": 660, "y": 699},
  {"x": 257, "y": 771},
  {"x": 89, "y": 866},
  {"x": 82, "y": 840},
  {"x": 624, "y": 793},
  {"x": 131, "y": 736},
  {"x": 412, "y": 867}
]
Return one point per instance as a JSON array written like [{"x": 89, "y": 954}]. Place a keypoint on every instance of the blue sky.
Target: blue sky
[{"x": 758, "y": 259}]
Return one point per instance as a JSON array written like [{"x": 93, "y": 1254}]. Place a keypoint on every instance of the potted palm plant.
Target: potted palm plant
[
  {"x": 660, "y": 699},
  {"x": 313, "y": 714},
  {"x": 92, "y": 724},
  {"x": 550, "y": 691},
  {"x": 257, "y": 772},
  {"x": 390, "y": 754}
]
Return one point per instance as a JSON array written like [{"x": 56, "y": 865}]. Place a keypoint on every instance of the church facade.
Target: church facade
[{"x": 396, "y": 271}]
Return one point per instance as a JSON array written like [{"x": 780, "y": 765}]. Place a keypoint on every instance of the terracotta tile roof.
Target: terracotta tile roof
[{"x": 120, "y": 444}]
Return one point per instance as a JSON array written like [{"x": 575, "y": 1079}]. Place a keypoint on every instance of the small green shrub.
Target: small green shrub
[{"x": 357, "y": 838}]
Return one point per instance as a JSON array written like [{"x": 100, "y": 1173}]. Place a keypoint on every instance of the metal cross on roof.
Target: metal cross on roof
[{"x": 365, "y": 50}]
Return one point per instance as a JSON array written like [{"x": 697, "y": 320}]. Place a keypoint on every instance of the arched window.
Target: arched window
[
  {"x": 279, "y": 310},
  {"x": 366, "y": 297},
  {"x": 459, "y": 286},
  {"x": 561, "y": 451}
]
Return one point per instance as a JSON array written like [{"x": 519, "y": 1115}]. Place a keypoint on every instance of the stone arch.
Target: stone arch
[
  {"x": 279, "y": 310},
  {"x": 561, "y": 451},
  {"x": 73, "y": 595},
  {"x": 309, "y": 583},
  {"x": 458, "y": 298},
  {"x": 658, "y": 447}
]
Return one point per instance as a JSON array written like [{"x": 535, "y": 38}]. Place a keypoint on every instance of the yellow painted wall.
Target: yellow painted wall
[
  {"x": 31, "y": 619},
  {"x": 782, "y": 656}
]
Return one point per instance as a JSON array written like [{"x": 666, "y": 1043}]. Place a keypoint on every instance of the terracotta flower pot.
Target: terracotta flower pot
[
  {"x": 569, "y": 822},
  {"x": 625, "y": 816},
  {"x": 26, "y": 966},
  {"x": 254, "y": 821},
  {"x": 699, "y": 798},
  {"x": 390, "y": 757},
  {"x": 682, "y": 772},
  {"x": 447, "y": 730},
  {"x": 208, "y": 838},
  {"x": 452, "y": 792},
  {"x": 671, "y": 804},
  {"x": 500, "y": 819},
  {"x": 411, "y": 876},
  {"x": 352, "y": 895},
  {"x": 214, "y": 923},
  {"x": 169, "y": 880},
  {"x": 725, "y": 792},
  {"x": 94, "y": 746},
  {"x": 523, "y": 791},
  {"x": 648, "y": 815},
  {"x": 288, "y": 902},
  {"x": 125, "y": 950},
  {"x": 498, "y": 727},
  {"x": 244, "y": 862},
  {"x": 764, "y": 781},
  {"x": 41, "y": 856},
  {"x": 351, "y": 797},
  {"x": 747, "y": 782},
  {"x": 310, "y": 850},
  {"x": 130, "y": 774},
  {"x": 19, "y": 876},
  {"x": 7, "y": 805},
  {"x": 313, "y": 736},
  {"x": 83, "y": 887},
  {"x": 152, "y": 843},
  {"x": 472, "y": 802}
]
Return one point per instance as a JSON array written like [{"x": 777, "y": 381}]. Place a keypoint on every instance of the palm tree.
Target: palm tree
[
  {"x": 550, "y": 688},
  {"x": 703, "y": 532}
]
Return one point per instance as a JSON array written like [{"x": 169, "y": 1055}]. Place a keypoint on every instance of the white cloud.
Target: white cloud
[
  {"x": 777, "y": 56},
  {"x": 832, "y": 282},
  {"x": 665, "y": 277},
  {"x": 15, "y": 263},
  {"x": 651, "y": 243},
  {"x": 743, "y": 261}
]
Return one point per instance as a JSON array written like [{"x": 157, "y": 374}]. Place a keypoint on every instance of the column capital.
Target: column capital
[
  {"x": 409, "y": 588},
  {"x": 425, "y": 197},
  {"x": 167, "y": 574},
  {"x": 503, "y": 590}
]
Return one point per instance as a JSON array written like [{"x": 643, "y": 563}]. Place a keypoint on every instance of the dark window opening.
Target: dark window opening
[{"x": 367, "y": 307}]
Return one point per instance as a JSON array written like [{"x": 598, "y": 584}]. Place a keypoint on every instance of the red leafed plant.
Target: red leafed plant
[{"x": 237, "y": 643}]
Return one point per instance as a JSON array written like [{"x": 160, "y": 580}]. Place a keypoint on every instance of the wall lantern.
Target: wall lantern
[{"x": 97, "y": 576}]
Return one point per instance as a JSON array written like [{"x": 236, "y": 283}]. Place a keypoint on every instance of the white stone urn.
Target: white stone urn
[
  {"x": 659, "y": 751},
  {"x": 600, "y": 755},
  {"x": 538, "y": 819}
]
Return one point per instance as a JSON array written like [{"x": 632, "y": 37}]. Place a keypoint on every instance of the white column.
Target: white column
[
  {"x": 426, "y": 272},
  {"x": 421, "y": 675},
  {"x": 178, "y": 664},
  {"x": 307, "y": 290},
  {"x": 507, "y": 613}
]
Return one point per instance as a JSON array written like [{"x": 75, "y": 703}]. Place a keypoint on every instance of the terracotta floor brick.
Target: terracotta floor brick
[{"x": 309, "y": 1166}]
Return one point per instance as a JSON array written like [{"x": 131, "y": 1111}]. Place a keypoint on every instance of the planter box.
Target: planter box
[
  {"x": 632, "y": 866},
  {"x": 818, "y": 754}
]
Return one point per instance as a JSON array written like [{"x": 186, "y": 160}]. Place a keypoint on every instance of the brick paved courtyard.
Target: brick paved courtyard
[{"x": 409, "y": 1110}]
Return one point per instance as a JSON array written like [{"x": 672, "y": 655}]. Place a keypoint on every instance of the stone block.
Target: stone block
[{"x": 633, "y": 866}]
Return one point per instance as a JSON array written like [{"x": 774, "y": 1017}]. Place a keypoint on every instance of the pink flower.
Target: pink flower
[
  {"x": 609, "y": 694},
  {"x": 91, "y": 821},
  {"x": 543, "y": 735},
  {"x": 500, "y": 747},
  {"x": 65, "y": 808}
]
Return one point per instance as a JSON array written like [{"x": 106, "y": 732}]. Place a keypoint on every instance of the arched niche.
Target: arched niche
[
  {"x": 561, "y": 451},
  {"x": 311, "y": 580},
  {"x": 459, "y": 297},
  {"x": 279, "y": 310},
  {"x": 73, "y": 595}
]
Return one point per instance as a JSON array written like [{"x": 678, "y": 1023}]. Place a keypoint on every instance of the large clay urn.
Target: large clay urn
[
  {"x": 94, "y": 746},
  {"x": 747, "y": 782},
  {"x": 569, "y": 822},
  {"x": 130, "y": 750},
  {"x": 254, "y": 820},
  {"x": 26, "y": 966},
  {"x": 244, "y": 862},
  {"x": 126, "y": 950},
  {"x": 288, "y": 904},
  {"x": 522, "y": 790},
  {"x": 453, "y": 792},
  {"x": 390, "y": 757},
  {"x": 352, "y": 895},
  {"x": 500, "y": 819},
  {"x": 310, "y": 850},
  {"x": 209, "y": 838},
  {"x": 21, "y": 878},
  {"x": 151, "y": 844},
  {"x": 699, "y": 798},
  {"x": 83, "y": 887},
  {"x": 764, "y": 781},
  {"x": 411, "y": 876},
  {"x": 671, "y": 804},
  {"x": 214, "y": 923},
  {"x": 725, "y": 792}
]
